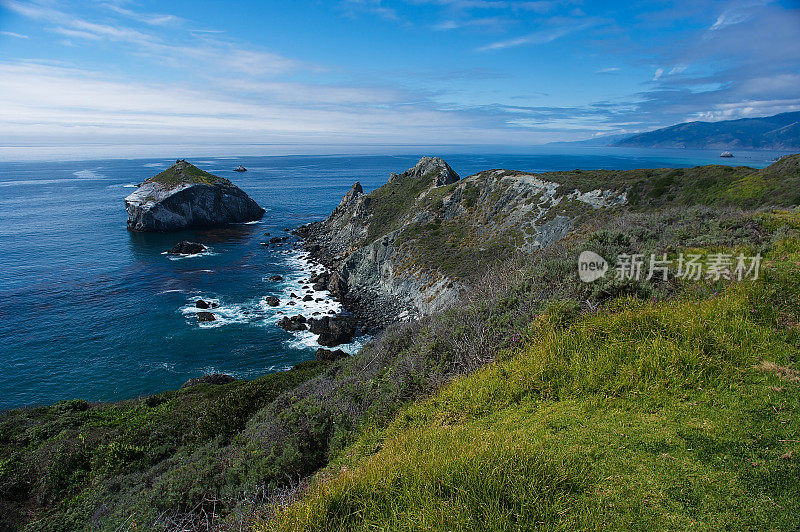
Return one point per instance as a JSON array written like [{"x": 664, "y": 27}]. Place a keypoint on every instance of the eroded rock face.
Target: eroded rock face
[
  {"x": 185, "y": 197},
  {"x": 411, "y": 247}
]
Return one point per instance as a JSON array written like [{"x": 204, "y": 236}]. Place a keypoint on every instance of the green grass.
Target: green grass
[
  {"x": 173, "y": 176},
  {"x": 645, "y": 415},
  {"x": 389, "y": 203}
]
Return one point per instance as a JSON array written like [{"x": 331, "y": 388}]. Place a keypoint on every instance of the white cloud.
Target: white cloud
[
  {"x": 561, "y": 27},
  {"x": 12, "y": 34},
  {"x": 749, "y": 109},
  {"x": 153, "y": 19},
  {"x": 658, "y": 73},
  {"x": 216, "y": 53}
]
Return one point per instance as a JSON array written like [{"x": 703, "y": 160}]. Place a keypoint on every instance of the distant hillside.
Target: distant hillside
[{"x": 779, "y": 132}]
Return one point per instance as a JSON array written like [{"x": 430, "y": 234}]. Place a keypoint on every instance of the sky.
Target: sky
[{"x": 385, "y": 72}]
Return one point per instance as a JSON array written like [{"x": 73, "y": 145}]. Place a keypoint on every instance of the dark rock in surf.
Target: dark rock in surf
[
  {"x": 205, "y": 316},
  {"x": 187, "y": 248}
]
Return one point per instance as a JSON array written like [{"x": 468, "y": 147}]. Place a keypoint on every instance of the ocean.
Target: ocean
[{"x": 90, "y": 310}]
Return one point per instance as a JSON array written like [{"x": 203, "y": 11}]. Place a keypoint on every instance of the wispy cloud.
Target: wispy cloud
[
  {"x": 12, "y": 34},
  {"x": 560, "y": 29},
  {"x": 153, "y": 19},
  {"x": 375, "y": 7},
  {"x": 216, "y": 53},
  {"x": 607, "y": 70}
]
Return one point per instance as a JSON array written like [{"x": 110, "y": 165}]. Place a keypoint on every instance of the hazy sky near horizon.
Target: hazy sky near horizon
[{"x": 423, "y": 72}]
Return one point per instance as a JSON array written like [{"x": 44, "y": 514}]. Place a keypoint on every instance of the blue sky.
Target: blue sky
[{"x": 363, "y": 72}]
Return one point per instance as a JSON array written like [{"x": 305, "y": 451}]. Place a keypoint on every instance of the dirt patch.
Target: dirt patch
[{"x": 782, "y": 372}]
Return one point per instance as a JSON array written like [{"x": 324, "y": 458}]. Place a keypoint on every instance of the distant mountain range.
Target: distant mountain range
[{"x": 778, "y": 132}]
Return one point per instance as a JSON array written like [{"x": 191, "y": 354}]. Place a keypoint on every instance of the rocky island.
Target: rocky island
[{"x": 186, "y": 197}]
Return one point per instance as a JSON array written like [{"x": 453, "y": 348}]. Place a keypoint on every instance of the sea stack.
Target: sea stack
[{"x": 185, "y": 197}]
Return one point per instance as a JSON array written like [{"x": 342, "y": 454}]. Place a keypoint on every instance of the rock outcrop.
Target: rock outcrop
[
  {"x": 187, "y": 248},
  {"x": 185, "y": 197},
  {"x": 412, "y": 246}
]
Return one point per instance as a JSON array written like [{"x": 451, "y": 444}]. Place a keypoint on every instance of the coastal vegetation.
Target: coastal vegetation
[
  {"x": 185, "y": 173},
  {"x": 538, "y": 401}
]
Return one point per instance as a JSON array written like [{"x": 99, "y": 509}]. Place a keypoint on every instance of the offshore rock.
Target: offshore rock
[
  {"x": 185, "y": 197},
  {"x": 187, "y": 248}
]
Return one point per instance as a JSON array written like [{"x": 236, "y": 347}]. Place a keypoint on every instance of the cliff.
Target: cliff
[
  {"x": 412, "y": 246},
  {"x": 185, "y": 197}
]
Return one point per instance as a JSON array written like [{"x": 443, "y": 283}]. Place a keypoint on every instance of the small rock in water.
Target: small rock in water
[
  {"x": 308, "y": 298},
  {"x": 295, "y": 323},
  {"x": 273, "y": 301},
  {"x": 202, "y": 304},
  {"x": 328, "y": 355},
  {"x": 333, "y": 331},
  {"x": 266, "y": 234},
  {"x": 205, "y": 316},
  {"x": 214, "y": 378},
  {"x": 275, "y": 240},
  {"x": 187, "y": 248},
  {"x": 276, "y": 278},
  {"x": 291, "y": 303}
]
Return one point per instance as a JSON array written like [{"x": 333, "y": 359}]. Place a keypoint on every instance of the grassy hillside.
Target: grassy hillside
[{"x": 642, "y": 415}]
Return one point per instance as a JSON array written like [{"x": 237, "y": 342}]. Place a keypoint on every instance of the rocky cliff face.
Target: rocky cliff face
[
  {"x": 412, "y": 246},
  {"x": 185, "y": 197}
]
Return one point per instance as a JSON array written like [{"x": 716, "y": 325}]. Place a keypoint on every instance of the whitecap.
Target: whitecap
[
  {"x": 207, "y": 253},
  {"x": 88, "y": 174},
  {"x": 155, "y": 165}
]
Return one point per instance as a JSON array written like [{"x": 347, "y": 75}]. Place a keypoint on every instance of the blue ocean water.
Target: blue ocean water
[{"x": 89, "y": 310}]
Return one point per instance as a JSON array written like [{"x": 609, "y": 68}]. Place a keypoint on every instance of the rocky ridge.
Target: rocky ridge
[{"x": 412, "y": 246}]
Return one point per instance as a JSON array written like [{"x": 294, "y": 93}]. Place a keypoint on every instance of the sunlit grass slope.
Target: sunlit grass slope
[{"x": 645, "y": 415}]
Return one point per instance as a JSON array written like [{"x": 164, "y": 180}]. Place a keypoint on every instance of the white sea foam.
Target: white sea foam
[
  {"x": 223, "y": 314},
  {"x": 156, "y": 165},
  {"x": 170, "y": 291},
  {"x": 207, "y": 253},
  {"x": 88, "y": 174},
  {"x": 259, "y": 313}
]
